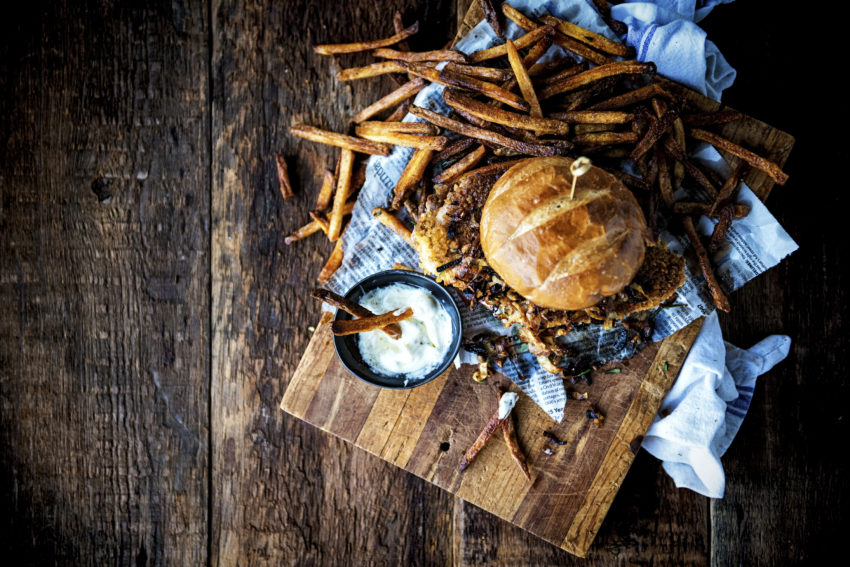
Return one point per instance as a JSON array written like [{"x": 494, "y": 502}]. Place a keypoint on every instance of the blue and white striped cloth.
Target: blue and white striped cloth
[
  {"x": 704, "y": 409},
  {"x": 665, "y": 31}
]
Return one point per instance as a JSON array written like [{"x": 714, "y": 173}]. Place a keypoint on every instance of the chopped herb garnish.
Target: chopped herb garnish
[{"x": 613, "y": 371}]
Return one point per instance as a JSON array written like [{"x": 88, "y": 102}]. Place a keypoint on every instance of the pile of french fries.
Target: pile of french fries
[{"x": 507, "y": 104}]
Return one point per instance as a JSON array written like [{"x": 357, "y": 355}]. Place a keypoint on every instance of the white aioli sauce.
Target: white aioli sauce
[{"x": 425, "y": 337}]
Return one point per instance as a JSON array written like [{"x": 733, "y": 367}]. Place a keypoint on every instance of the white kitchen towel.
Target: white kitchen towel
[
  {"x": 665, "y": 32},
  {"x": 706, "y": 406}
]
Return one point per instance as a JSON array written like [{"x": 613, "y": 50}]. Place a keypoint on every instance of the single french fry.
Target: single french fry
[
  {"x": 391, "y": 221},
  {"x": 492, "y": 17},
  {"x": 320, "y": 218},
  {"x": 332, "y": 49},
  {"x": 333, "y": 263},
  {"x": 355, "y": 309},
  {"x": 418, "y": 56},
  {"x": 367, "y": 71},
  {"x": 340, "y": 140},
  {"x": 593, "y": 117},
  {"x": 453, "y": 148},
  {"x": 672, "y": 148},
  {"x": 461, "y": 166},
  {"x": 344, "y": 327},
  {"x": 712, "y": 118},
  {"x": 589, "y": 38},
  {"x": 343, "y": 187},
  {"x": 665, "y": 184},
  {"x": 406, "y": 140},
  {"x": 323, "y": 200},
  {"x": 374, "y": 126},
  {"x": 494, "y": 423},
  {"x": 283, "y": 177},
  {"x": 523, "y": 80},
  {"x": 487, "y": 73},
  {"x": 739, "y": 210},
  {"x": 595, "y": 74},
  {"x": 504, "y": 117},
  {"x": 717, "y": 294},
  {"x": 412, "y": 174},
  {"x": 311, "y": 227},
  {"x": 752, "y": 158},
  {"x": 513, "y": 446},
  {"x": 400, "y": 112},
  {"x": 521, "y": 42},
  {"x": 404, "y": 92},
  {"x": 484, "y": 135},
  {"x": 606, "y": 138},
  {"x": 632, "y": 97}
]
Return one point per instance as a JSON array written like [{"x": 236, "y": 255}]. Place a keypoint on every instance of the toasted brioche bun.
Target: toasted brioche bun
[{"x": 558, "y": 252}]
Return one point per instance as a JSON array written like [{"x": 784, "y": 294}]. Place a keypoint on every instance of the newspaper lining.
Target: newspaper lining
[{"x": 753, "y": 244}]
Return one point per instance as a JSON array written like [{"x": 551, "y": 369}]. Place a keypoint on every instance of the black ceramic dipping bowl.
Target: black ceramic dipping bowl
[{"x": 349, "y": 352}]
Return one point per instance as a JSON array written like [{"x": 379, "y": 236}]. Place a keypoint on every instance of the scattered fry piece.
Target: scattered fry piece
[
  {"x": 343, "y": 186},
  {"x": 311, "y": 227},
  {"x": 338, "y": 301},
  {"x": 755, "y": 160},
  {"x": 705, "y": 263},
  {"x": 283, "y": 177},
  {"x": 332, "y": 49},
  {"x": 391, "y": 221},
  {"x": 492, "y": 17},
  {"x": 333, "y": 263},
  {"x": 406, "y": 140},
  {"x": 323, "y": 200},
  {"x": 411, "y": 175},
  {"x": 404, "y": 92},
  {"x": 589, "y": 38},
  {"x": 371, "y": 127},
  {"x": 417, "y": 56},
  {"x": 508, "y": 398},
  {"x": 461, "y": 166},
  {"x": 344, "y": 327},
  {"x": 523, "y": 80},
  {"x": 521, "y": 42},
  {"x": 504, "y": 117},
  {"x": 340, "y": 140},
  {"x": 513, "y": 445},
  {"x": 373, "y": 70}
]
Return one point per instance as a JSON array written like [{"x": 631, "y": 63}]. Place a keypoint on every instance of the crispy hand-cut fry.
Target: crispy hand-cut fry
[
  {"x": 674, "y": 150},
  {"x": 755, "y": 160},
  {"x": 712, "y": 118},
  {"x": 366, "y": 324},
  {"x": 665, "y": 183},
  {"x": 373, "y": 70},
  {"x": 400, "y": 112},
  {"x": 491, "y": 90},
  {"x": 406, "y": 140},
  {"x": 311, "y": 227},
  {"x": 513, "y": 445},
  {"x": 606, "y": 138},
  {"x": 589, "y": 38},
  {"x": 593, "y": 117},
  {"x": 338, "y": 301},
  {"x": 416, "y": 56},
  {"x": 489, "y": 73},
  {"x": 521, "y": 42},
  {"x": 739, "y": 210},
  {"x": 717, "y": 294},
  {"x": 523, "y": 80},
  {"x": 658, "y": 128},
  {"x": 486, "y": 136},
  {"x": 323, "y": 200},
  {"x": 283, "y": 177},
  {"x": 461, "y": 166},
  {"x": 504, "y": 117},
  {"x": 333, "y": 263},
  {"x": 494, "y": 423},
  {"x": 343, "y": 187},
  {"x": 458, "y": 146},
  {"x": 412, "y": 174},
  {"x": 331, "y": 49},
  {"x": 404, "y": 92},
  {"x": 491, "y": 16},
  {"x": 391, "y": 221},
  {"x": 597, "y": 74},
  {"x": 632, "y": 97},
  {"x": 375, "y": 126},
  {"x": 723, "y": 224},
  {"x": 340, "y": 140}
]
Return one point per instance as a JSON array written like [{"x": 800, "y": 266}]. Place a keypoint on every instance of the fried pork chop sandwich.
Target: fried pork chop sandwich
[{"x": 511, "y": 237}]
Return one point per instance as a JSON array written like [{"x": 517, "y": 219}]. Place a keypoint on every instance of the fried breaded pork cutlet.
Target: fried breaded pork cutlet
[{"x": 448, "y": 240}]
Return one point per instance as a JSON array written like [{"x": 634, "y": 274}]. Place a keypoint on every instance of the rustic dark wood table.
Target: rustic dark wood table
[{"x": 151, "y": 314}]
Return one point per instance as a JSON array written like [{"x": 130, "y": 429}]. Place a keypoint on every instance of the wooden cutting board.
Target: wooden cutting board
[{"x": 427, "y": 429}]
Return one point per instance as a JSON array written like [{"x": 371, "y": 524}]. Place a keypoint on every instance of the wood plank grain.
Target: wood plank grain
[
  {"x": 286, "y": 493},
  {"x": 104, "y": 284}
]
